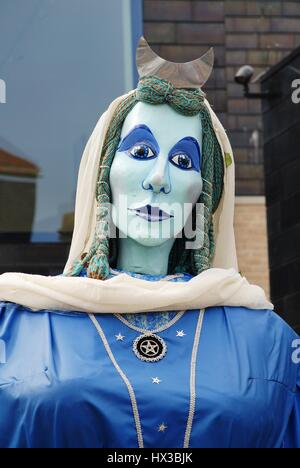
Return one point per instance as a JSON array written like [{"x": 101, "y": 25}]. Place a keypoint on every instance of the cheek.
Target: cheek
[
  {"x": 123, "y": 179},
  {"x": 194, "y": 190},
  {"x": 187, "y": 189},
  {"x": 118, "y": 173},
  {"x": 188, "y": 186}
]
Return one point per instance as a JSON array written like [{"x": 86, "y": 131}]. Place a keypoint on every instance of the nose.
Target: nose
[{"x": 158, "y": 180}]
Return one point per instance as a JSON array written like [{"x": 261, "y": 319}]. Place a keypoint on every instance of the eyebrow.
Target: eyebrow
[
  {"x": 138, "y": 134},
  {"x": 190, "y": 146}
]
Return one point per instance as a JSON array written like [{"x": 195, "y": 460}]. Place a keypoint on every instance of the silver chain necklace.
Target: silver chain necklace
[
  {"x": 129, "y": 386},
  {"x": 150, "y": 347}
]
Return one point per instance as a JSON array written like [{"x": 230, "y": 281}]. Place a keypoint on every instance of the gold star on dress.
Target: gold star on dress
[
  {"x": 180, "y": 333},
  {"x": 119, "y": 337},
  {"x": 162, "y": 427},
  {"x": 156, "y": 380}
]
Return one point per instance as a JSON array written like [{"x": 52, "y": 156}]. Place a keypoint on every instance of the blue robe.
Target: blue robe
[{"x": 60, "y": 388}]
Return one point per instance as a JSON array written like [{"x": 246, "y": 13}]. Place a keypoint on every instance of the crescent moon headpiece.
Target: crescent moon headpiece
[{"x": 192, "y": 74}]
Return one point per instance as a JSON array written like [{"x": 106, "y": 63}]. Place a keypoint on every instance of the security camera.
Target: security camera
[{"x": 244, "y": 75}]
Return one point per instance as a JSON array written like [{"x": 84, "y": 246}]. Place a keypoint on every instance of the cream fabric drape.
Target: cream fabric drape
[{"x": 220, "y": 285}]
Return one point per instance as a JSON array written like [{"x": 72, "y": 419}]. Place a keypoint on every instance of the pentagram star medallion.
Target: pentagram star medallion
[{"x": 150, "y": 348}]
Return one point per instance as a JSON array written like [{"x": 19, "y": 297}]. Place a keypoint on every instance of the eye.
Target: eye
[
  {"x": 182, "y": 160},
  {"x": 141, "y": 151}
]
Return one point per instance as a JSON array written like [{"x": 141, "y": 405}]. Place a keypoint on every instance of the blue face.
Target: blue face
[{"x": 155, "y": 177}]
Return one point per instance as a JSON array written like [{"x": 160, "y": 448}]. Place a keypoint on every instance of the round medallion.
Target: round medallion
[{"x": 150, "y": 348}]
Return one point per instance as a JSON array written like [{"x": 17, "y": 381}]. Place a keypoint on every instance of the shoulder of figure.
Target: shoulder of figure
[{"x": 263, "y": 335}]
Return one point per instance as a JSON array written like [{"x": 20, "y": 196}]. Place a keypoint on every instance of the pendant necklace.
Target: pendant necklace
[
  {"x": 149, "y": 334},
  {"x": 150, "y": 347}
]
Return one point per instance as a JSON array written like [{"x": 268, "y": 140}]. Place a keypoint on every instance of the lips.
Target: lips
[{"x": 151, "y": 213}]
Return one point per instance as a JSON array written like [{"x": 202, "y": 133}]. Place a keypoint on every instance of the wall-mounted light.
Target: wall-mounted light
[{"x": 244, "y": 77}]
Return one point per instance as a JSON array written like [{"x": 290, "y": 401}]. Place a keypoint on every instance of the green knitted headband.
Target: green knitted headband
[{"x": 189, "y": 102}]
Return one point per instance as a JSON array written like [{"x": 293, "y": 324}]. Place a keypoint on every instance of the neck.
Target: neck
[{"x": 138, "y": 258}]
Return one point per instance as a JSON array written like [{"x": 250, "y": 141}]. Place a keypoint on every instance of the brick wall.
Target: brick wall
[
  {"x": 251, "y": 240},
  {"x": 259, "y": 33}
]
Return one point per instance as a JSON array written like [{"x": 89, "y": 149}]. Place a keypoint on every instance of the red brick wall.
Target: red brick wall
[{"x": 259, "y": 33}]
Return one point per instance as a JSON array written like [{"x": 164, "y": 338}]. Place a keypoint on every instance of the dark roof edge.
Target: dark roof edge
[{"x": 280, "y": 64}]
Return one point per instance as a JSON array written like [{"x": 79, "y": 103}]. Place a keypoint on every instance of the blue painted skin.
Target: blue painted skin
[
  {"x": 157, "y": 167},
  {"x": 58, "y": 387}
]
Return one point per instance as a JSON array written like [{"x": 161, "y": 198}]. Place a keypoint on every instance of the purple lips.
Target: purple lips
[{"x": 151, "y": 213}]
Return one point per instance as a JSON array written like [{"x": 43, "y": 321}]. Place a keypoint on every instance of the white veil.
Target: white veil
[
  {"x": 85, "y": 209},
  {"x": 220, "y": 285}
]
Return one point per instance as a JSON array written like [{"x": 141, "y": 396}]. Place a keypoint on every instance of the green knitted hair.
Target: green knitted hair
[{"x": 153, "y": 90}]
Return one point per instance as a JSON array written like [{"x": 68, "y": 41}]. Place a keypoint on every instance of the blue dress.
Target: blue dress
[{"x": 228, "y": 379}]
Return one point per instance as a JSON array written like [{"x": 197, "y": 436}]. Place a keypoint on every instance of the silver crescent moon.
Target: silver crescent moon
[{"x": 192, "y": 74}]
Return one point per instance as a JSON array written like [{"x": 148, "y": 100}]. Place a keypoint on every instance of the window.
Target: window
[{"x": 62, "y": 63}]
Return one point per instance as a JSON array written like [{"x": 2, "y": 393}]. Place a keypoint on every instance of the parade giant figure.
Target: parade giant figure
[{"x": 151, "y": 337}]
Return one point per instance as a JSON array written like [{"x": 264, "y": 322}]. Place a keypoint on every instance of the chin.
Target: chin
[
  {"x": 150, "y": 234},
  {"x": 148, "y": 241}
]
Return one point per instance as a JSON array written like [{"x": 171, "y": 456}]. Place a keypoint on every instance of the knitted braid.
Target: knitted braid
[
  {"x": 97, "y": 257},
  {"x": 212, "y": 174},
  {"x": 191, "y": 102},
  {"x": 153, "y": 90},
  {"x": 212, "y": 171}
]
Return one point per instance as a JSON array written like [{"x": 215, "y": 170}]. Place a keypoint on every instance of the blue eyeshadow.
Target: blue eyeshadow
[
  {"x": 142, "y": 134},
  {"x": 139, "y": 134},
  {"x": 191, "y": 148}
]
